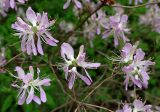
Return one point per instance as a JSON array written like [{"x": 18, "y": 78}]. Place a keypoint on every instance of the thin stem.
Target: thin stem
[
  {"x": 96, "y": 106},
  {"x": 99, "y": 85},
  {"x": 86, "y": 19},
  {"x": 59, "y": 82},
  {"x": 54, "y": 110},
  {"x": 14, "y": 58},
  {"x": 136, "y": 6}
]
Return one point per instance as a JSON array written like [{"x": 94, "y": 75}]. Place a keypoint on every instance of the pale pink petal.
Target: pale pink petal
[
  {"x": 42, "y": 95},
  {"x": 22, "y": 98},
  {"x": 71, "y": 80},
  {"x": 12, "y": 4},
  {"x": 34, "y": 50},
  {"x": 67, "y": 51},
  {"x": 29, "y": 48},
  {"x": 85, "y": 79},
  {"x": 30, "y": 96},
  {"x": 78, "y": 4},
  {"x": 23, "y": 44},
  {"x": 81, "y": 53},
  {"x": 31, "y": 16},
  {"x": 139, "y": 55},
  {"x": 39, "y": 46},
  {"x": 44, "y": 82},
  {"x": 37, "y": 100},
  {"x": 20, "y": 72},
  {"x": 87, "y": 75},
  {"x": 89, "y": 65},
  {"x": 66, "y": 5}
]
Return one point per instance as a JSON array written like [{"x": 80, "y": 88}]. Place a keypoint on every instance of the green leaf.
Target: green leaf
[{"x": 7, "y": 103}]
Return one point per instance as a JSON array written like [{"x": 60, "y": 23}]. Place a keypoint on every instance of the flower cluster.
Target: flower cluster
[
  {"x": 152, "y": 17},
  {"x": 117, "y": 25},
  {"x": 12, "y": 3},
  {"x": 29, "y": 85},
  {"x": 6, "y": 4},
  {"x": 137, "y": 106},
  {"x": 71, "y": 65},
  {"x": 34, "y": 31},
  {"x": 94, "y": 25},
  {"x": 135, "y": 66}
]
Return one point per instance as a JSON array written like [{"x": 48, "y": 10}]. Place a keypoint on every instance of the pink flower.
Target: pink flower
[
  {"x": 29, "y": 85},
  {"x": 128, "y": 52},
  {"x": 152, "y": 17},
  {"x": 6, "y": 4},
  {"x": 117, "y": 25},
  {"x": 136, "y": 106},
  {"x": 139, "y": 106},
  {"x": 35, "y": 30},
  {"x": 71, "y": 65},
  {"x": 76, "y": 2},
  {"x": 13, "y": 3},
  {"x": 135, "y": 66},
  {"x": 126, "y": 108}
]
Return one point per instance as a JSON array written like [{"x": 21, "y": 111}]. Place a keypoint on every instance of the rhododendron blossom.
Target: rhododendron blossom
[
  {"x": 136, "y": 106},
  {"x": 126, "y": 108},
  {"x": 135, "y": 66},
  {"x": 6, "y": 4},
  {"x": 117, "y": 25},
  {"x": 35, "y": 30},
  {"x": 94, "y": 25},
  {"x": 76, "y": 2},
  {"x": 29, "y": 85},
  {"x": 71, "y": 65},
  {"x": 139, "y": 106},
  {"x": 152, "y": 17},
  {"x": 13, "y": 3}
]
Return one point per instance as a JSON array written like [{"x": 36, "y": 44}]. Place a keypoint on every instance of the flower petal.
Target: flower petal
[
  {"x": 20, "y": 72},
  {"x": 84, "y": 78},
  {"x": 66, "y": 5},
  {"x": 67, "y": 51},
  {"x": 22, "y": 98},
  {"x": 30, "y": 96},
  {"x": 42, "y": 95},
  {"x": 31, "y": 16},
  {"x": 39, "y": 46},
  {"x": 71, "y": 80},
  {"x": 37, "y": 100}
]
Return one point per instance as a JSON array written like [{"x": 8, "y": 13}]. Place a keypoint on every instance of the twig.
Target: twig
[
  {"x": 96, "y": 106},
  {"x": 86, "y": 19},
  {"x": 61, "y": 106},
  {"x": 99, "y": 85},
  {"x": 136, "y": 6},
  {"x": 14, "y": 58},
  {"x": 59, "y": 82}
]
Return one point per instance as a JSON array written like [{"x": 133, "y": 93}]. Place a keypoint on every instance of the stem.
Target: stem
[
  {"x": 96, "y": 106},
  {"x": 86, "y": 19},
  {"x": 136, "y": 6}
]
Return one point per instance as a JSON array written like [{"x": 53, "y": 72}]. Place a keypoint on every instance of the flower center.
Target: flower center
[{"x": 34, "y": 29}]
